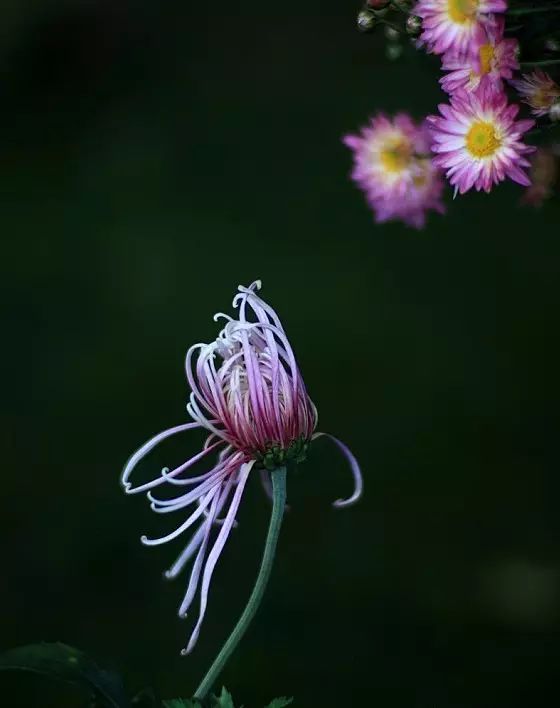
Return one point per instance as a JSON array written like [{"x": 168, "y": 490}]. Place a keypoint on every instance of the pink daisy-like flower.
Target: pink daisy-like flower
[
  {"x": 538, "y": 90},
  {"x": 455, "y": 25},
  {"x": 393, "y": 166},
  {"x": 478, "y": 142},
  {"x": 496, "y": 60},
  {"x": 249, "y": 396}
]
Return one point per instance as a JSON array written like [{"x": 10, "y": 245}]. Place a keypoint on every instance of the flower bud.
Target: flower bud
[
  {"x": 554, "y": 112},
  {"x": 377, "y": 4},
  {"x": 366, "y": 21},
  {"x": 393, "y": 51},
  {"x": 392, "y": 34},
  {"x": 414, "y": 25}
]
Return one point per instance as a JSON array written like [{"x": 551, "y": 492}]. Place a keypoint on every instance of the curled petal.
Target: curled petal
[
  {"x": 354, "y": 466},
  {"x": 186, "y": 554},
  {"x": 143, "y": 451},
  {"x": 189, "y": 497},
  {"x": 189, "y": 521},
  {"x": 170, "y": 475}
]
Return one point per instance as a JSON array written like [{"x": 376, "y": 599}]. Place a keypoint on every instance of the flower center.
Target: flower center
[
  {"x": 462, "y": 11},
  {"x": 396, "y": 155},
  {"x": 277, "y": 456},
  {"x": 486, "y": 55},
  {"x": 482, "y": 140},
  {"x": 543, "y": 98},
  {"x": 421, "y": 178}
]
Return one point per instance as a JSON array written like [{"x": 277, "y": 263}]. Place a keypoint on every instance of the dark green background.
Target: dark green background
[{"x": 153, "y": 155}]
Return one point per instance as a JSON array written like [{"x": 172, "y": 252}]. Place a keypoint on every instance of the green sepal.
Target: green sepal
[
  {"x": 224, "y": 700},
  {"x": 281, "y": 702}
]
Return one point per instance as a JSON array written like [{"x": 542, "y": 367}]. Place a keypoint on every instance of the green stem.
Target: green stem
[
  {"x": 546, "y": 62},
  {"x": 532, "y": 10},
  {"x": 278, "y": 503},
  {"x": 394, "y": 27},
  {"x": 397, "y": 6}
]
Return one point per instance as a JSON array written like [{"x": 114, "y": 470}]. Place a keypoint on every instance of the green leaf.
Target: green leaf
[
  {"x": 67, "y": 664},
  {"x": 281, "y": 702},
  {"x": 224, "y": 700},
  {"x": 180, "y": 703}
]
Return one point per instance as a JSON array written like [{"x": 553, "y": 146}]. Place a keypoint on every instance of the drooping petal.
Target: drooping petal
[
  {"x": 216, "y": 551},
  {"x": 356, "y": 472},
  {"x": 189, "y": 521}
]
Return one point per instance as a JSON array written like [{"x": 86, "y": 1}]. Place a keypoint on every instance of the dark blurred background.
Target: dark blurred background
[{"x": 152, "y": 157}]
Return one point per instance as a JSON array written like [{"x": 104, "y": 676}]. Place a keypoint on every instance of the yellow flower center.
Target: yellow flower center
[
  {"x": 462, "y": 11},
  {"x": 396, "y": 154},
  {"x": 486, "y": 55},
  {"x": 543, "y": 97},
  {"x": 482, "y": 140}
]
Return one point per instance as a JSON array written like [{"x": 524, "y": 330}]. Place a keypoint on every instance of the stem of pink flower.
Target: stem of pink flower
[
  {"x": 278, "y": 504},
  {"x": 546, "y": 62},
  {"x": 532, "y": 10},
  {"x": 393, "y": 26}
]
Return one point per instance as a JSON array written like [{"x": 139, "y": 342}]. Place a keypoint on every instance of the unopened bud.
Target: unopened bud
[
  {"x": 554, "y": 112},
  {"x": 552, "y": 45},
  {"x": 392, "y": 34},
  {"x": 377, "y": 4},
  {"x": 393, "y": 51},
  {"x": 366, "y": 21},
  {"x": 414, "y": 25}
]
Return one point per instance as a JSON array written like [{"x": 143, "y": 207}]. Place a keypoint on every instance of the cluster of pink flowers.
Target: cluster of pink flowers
[{"x": 476, "y": 139}]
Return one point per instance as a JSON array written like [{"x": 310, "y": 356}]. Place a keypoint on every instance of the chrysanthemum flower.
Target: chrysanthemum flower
[
  {"x": 393, "y": 166},
  {"x": 478, "y": 142},
  {"x": 455, "y": 25},
  {"x": 496, "y": 60},
  {"x": 538, "y": 90},
  {"x": 249, "y": 396}
]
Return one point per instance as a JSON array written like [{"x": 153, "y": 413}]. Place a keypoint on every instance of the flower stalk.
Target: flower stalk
[
  {"x": 543, "y": 62},
  {"x": 518, "y": 11},
  {"x": 278, "y": 504}
]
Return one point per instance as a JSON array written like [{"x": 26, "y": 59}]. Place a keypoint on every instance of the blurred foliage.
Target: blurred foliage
[{"x": 59, "y": 661}]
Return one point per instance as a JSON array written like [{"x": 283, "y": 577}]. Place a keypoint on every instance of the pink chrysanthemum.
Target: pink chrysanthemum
[
  {"x": 496, "y": 60},
  {"x": 455, "y": 25},
  {"x": 478, "y": 142},
  {"x": 249, "y": 396},
  {"x": 393, "y": 166},
  {"x": 538, "y": 90}
]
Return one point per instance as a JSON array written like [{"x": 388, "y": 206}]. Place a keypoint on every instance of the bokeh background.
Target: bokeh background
[{"x": 154, "y": 156}]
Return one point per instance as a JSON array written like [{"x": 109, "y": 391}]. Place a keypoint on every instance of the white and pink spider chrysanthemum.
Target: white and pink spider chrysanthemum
[
  {"x": 478, "y": 142},
  {"x": 248, "y": 394},
  {"x": 496, "y": 60},
  {"x": 455, "y": 25},
  {"x": 394, "y": 168}
]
